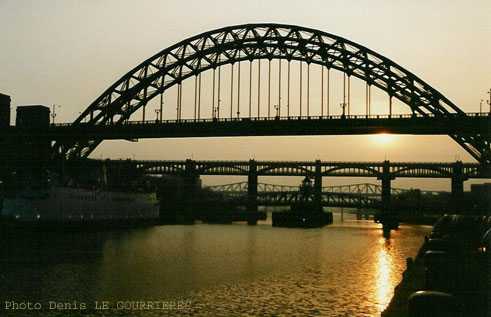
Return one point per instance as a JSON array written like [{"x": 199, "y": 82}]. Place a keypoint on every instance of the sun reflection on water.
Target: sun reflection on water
[{"x": 384, "y": 284}]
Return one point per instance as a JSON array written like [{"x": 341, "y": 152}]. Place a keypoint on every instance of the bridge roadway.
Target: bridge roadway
[{"x": 448, "y": 124}]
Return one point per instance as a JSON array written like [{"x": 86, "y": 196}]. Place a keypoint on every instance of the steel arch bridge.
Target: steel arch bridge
[{"x": 250, "y": 42}]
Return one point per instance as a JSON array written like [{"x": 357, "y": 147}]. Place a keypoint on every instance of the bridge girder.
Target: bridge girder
[{"x": 250, "y": 42}]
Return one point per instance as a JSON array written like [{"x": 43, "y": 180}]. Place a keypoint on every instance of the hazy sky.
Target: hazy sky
[{"x": 68, "y": 52}]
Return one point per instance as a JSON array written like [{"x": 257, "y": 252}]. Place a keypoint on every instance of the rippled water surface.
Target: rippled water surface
[{"x": 345, "y": 269}]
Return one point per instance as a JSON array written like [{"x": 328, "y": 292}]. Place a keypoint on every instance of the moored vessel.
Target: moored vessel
[{"x": 62, "y": 203}]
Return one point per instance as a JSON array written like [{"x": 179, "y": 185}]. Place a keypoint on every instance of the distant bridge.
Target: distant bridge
[
  {"x": 457, "y": 170},
  {"x": 385, "y": 171},
  {"x": 363, "y": 195},
  {"x": 328, "y": 199},
  {"x": 354, "y": 195},
  {"x": 365, "y": 189}
]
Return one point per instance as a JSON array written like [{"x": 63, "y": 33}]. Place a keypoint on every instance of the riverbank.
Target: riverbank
[
  {"x": 428, "y": 220},
  {"x": 457, "y": 264},
  {"x": 412, "y": 281}
]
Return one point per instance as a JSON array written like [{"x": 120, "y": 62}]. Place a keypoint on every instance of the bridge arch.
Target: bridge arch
[
  {"x": 249, "y": 42},
  {"x": 368, "y": 170},
  {"x": 159, "y": 169},
  {"x": 207, "y": 168},
  {"x": 303, "y": 171},
  {"x": 442, "y": 171}
]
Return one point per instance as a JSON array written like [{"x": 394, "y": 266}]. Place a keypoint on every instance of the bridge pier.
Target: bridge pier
[
  {"x": 191, "y": 178},
  {"x": 318, "y": 185},
  {"x": 252, "y": 193},
  {"x": 457, "y": 187},
  {"x": 389, "y": 220}
]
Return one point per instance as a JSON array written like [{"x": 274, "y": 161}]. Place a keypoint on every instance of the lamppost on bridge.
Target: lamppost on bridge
[
  {"x": 157, "y": 111},
  {"x": 480, "y": 106},
  {"x": 53, "y": 113},
  {"x": 218, "y": 109},
  {"x": 489, "y": 100},
  {"x": 215, "y": 113},
  {"x": 343, "y": 106},
  {"x": 277, "y": 108},
  {"x": 161, "y": 106}
]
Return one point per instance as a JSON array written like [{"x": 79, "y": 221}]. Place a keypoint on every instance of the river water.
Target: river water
[{"x": 344, "y": 269}]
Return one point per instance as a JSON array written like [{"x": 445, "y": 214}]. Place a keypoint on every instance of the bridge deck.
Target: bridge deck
[{"x": 474, "y": 123}]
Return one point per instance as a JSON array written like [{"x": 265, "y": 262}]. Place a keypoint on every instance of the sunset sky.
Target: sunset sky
[{"x": 68, "y": 52}]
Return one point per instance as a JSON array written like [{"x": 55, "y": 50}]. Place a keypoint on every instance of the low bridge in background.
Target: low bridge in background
[
  {"x": 385, "y": 171},
  {"x": 365, "y": 195}
]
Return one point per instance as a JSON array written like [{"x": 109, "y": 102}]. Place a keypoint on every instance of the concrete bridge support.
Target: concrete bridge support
[
  {"x": 457, "y": 187},
  {"x": 389, "y": 219},
  {"x": 318, "y": 185},
  {"x": 252, "y": 193},
  {"x": 191, "y": 181}
]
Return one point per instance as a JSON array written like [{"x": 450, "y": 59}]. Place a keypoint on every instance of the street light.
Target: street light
[
  {"x": 218, "y": 109},
  {"x": 157, "y": 111},
  {"x": 480, "y": 106},
  {"x": 53, "y": 113},
  {"x": 161, "y": 105},
  {"x": 343, "y": 106},
  {"x": 489, "y": 100}
]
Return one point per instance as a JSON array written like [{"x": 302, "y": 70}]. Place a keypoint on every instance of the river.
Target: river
[{"x": 344, "y": 269}]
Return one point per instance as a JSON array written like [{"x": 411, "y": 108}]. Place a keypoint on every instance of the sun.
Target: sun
[{"x": 383, "y": 138}]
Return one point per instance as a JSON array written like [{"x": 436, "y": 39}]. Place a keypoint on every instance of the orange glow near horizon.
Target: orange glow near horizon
[{"x": 383, "y": 138}]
